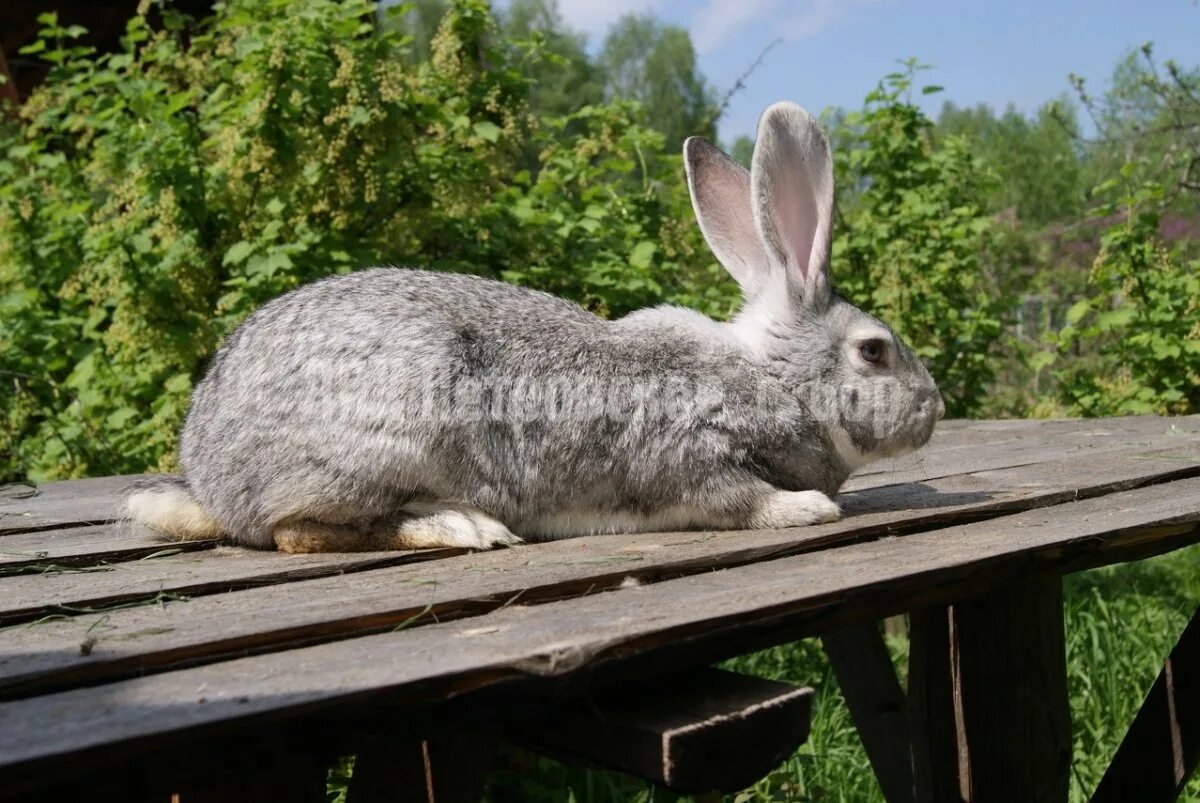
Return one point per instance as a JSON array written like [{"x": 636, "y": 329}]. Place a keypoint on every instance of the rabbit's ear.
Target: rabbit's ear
[
  {"x": 791, "y": 180},
  {"x": 720, "y": 190}
]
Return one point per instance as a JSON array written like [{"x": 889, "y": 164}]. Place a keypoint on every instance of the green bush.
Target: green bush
[
  {"x": 912, "y": 234},
  {"x": 151, "y": 198},
  {"x": 1138, "y": 326}
]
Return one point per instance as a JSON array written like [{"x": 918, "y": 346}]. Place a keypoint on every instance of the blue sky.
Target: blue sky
[{"x": 834, "y": 51}]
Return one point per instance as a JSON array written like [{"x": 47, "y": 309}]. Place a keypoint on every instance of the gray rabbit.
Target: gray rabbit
[{"x": 399, "y": 409}]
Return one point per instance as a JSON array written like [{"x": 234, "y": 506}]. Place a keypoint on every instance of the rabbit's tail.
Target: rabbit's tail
[{"x": 165, "y": 505}]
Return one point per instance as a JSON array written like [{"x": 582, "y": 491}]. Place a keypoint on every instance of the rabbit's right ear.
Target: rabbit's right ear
[
  {"x": 792, "y": 186},
  {"x": 720, "y": 190}
]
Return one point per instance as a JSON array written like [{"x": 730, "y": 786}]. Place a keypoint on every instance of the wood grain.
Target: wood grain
[
  {"x": 38, "y": 552},
  {"x": 679, "y": 623},
  {"x": 1012, "y": 715},
  {"x": 25, "y": 508},
  {"x": 961, "y": 447},
  {"x": 934, "y": 731},
  {"x": 284, "y": 614},
  {"x": 877, "y": 704},
  {"x": 700, "y": 732},
  {"x": 29, "y": 597}
]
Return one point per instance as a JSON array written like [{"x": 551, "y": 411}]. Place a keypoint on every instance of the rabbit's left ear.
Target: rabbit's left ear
[
  {"x": 791, "y": 182},
  {"x": 720, "y": 189}
]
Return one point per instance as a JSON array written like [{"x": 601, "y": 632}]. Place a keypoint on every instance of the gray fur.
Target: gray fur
[{"x": 357, "y": 397}]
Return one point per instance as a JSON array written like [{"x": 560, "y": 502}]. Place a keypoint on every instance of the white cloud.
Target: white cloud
[
  {"x": 717, "y": 20},
  {"x": 594, "y": 16},
  {"x": 714, "y": 21}
]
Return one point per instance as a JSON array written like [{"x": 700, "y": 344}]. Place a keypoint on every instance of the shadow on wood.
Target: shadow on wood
[
  {"x": 708, "y": 731},
  {"x": 448, "y": 769},
  {"x": 989, "y": 700}
]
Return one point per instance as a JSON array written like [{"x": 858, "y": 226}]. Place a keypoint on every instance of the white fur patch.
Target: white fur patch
[
  {"x": 573, "y": 523},
  {"x": 173, "y": 512},
  {"x": 850, "y": 454},
  {"x": 761, "y": 315},
  {"x": 448, "y": 525},
  {"x": 795, "y": 509},
  {"x": 868, "y": 332}
]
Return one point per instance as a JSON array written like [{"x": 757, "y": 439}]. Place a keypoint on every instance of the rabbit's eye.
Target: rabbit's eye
[{"x": 872, "y": 350}]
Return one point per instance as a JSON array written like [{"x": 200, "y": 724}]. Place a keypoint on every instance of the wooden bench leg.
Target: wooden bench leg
[
  {"x": 931, "y": 707},
  {"x": 988, "y": 694},
  {"x": 877, "y": 704},
  {"x": 1161, "y": 748},
  {"x": 449, "y": 769}
]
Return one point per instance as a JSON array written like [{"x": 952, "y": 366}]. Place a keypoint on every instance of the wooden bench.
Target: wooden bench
[{"x": 199, "y": 669}]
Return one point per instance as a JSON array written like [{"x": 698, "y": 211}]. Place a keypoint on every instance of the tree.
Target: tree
[
  {"x": 1150, "y": 116},
  {"x": 563, "y": 79},
  {"x": 421, "y": 23},
  {"x": 1036, "y": 158},
  {"x": 742, "y": 150},
  {"x": 655, "y": 64}
]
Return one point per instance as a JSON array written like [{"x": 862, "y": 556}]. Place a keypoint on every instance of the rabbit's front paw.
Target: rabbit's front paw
[
  {"x": 460, "y": 527},
  {"x": 795, "y": 509}
]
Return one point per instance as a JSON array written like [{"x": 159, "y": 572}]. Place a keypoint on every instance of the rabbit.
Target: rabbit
[{"x": 394, "y": 408}]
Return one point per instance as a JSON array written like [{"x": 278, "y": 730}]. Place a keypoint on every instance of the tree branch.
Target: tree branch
[{"x": 740, "y": 83}]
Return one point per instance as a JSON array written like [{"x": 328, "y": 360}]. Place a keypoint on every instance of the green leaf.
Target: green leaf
[
  {"x": 1115, "y": 318},
  {"x": 179, "y": 383},
  {"x": 237, "y": 253},
  {"x": 1042, "y": 359},
  {"x": 1078, "y": 310},
  {"x": 642, "y": 254},
  {"x": 120, "y": 417},
  {"x": 487, "y": 130}
]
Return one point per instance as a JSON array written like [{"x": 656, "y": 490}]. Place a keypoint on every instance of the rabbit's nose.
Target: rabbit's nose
[{"x": 941, "y": 406}]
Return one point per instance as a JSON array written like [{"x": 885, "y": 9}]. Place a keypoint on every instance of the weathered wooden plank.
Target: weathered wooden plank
[
  {"x": 931, "y": 707},
  {"x": 24, "y": 508},
  {"x": 1008, "y": 692},
  {"x": 971, "y": 446},
  {"x": 1162, "y": 747},
  {"x": 37, "y": 552},
  {"x": 30, "y": 597},
  {"x": 705, "y": 731},
  {"x": 679, "y": 623},
  {"x": 877, "y": 704},
  {"x": 53, "y": 655}
]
